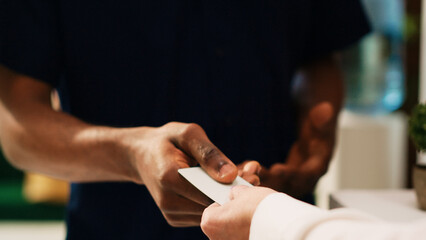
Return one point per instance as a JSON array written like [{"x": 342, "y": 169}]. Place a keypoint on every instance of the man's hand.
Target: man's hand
[
  {"x": 162, "y": 151},
  {"x": 308, "y": 158},
  {"x": 36, "y": 138},
  {"x": 318, "y": 93},
  {"x": 233, "y": 219}
]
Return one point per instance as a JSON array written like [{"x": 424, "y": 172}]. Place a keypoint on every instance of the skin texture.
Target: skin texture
[
  {"x": 233, "y": 219},
  {"x": 318, "y": 91},
  {"x": 36, "y": 138}
]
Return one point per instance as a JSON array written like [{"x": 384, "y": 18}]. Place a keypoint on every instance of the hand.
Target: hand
[
  {"x": 308, "y": 158},
  {"x": 160, "y": 152},
  {"x": 233, "y": 219}
]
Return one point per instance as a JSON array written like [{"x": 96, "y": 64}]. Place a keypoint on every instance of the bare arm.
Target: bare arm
[{"x": 34, "y": 137}]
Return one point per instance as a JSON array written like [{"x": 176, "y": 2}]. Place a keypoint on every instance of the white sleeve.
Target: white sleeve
[{"x": 280, "y": 217}]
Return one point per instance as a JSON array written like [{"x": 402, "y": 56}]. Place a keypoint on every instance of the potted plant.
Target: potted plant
[{"x": 417, "y": 130}]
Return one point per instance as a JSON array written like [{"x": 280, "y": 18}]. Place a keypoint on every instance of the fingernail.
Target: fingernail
[{"x": 225, "y": 170}]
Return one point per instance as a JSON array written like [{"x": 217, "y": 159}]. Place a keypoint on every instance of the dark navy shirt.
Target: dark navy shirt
[{"x": 224, "y": 64}]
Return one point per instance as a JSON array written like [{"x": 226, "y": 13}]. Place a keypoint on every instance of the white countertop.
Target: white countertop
[{"x": 396, "y": 205}]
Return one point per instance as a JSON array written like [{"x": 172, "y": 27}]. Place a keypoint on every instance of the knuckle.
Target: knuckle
[
  {"x": 189, "y": 129},
  {"x": 205, "y": 221},
  {"x": 208, "y": 152},
  {"x": 206, "y": 224},
  {"x": 172, "y": 126}
]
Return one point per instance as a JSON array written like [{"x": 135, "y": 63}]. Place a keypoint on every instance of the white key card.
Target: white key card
[{"x": 216, "y": 191}]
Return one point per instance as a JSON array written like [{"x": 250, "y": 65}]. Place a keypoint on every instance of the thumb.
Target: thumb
[
  {"x": 195, "y": 143},
  {"x": 321, "y": 114}
]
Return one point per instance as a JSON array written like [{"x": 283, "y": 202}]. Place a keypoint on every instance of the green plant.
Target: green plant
[{"x": 417, "y": 127}]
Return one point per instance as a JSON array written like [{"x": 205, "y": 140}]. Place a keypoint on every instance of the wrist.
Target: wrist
[{"x": 134, "y": 145}]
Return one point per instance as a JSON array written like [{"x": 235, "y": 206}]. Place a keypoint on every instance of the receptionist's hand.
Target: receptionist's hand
[{"x": 233, "y": 219}]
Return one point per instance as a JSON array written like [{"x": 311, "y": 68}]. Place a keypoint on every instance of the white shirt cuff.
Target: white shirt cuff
[{"x": 275, "y": 216}]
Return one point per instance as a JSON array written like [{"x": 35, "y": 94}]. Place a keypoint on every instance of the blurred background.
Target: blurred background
[
  {"x": 382, "y": 87},
  {"x": 373, "y": 152}
]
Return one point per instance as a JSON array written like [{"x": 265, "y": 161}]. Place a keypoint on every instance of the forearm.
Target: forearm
[
  {"x": 75, "y": 153},
  {"x": 36, "y": 138}
]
